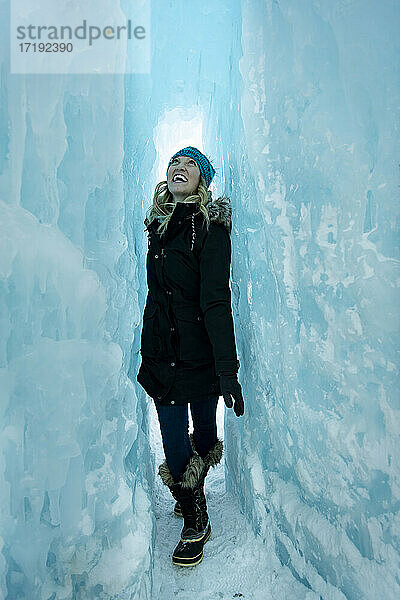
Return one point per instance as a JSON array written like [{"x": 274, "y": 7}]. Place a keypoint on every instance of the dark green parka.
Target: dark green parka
[{"x": 188, "y": 333}]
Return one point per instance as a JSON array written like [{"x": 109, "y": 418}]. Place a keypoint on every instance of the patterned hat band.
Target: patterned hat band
[{"x": 206, "y": 168}]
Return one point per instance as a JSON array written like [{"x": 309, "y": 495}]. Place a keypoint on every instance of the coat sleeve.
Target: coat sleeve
[{"x": 215, "y": 298}]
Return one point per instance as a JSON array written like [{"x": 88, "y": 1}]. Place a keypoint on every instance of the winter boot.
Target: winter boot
[
  {"x": 211, "y": 459},
  {"x": 196, "y": 528}
]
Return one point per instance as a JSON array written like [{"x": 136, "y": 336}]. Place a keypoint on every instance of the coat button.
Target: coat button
[
  {"x": 172, "y": 364},
  {"x": 156, "y": 256},
  {"x": 172, "y": 401},
  {"x": 179, "y": 222}
]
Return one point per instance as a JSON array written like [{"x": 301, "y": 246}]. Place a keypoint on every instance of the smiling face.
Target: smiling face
[{"x": 183, "y": 177}]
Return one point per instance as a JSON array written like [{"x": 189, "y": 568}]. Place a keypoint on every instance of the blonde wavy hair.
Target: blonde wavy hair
[{"x": 163, "y": 204}]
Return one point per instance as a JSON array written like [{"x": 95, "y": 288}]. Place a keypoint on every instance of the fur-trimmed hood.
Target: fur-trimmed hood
[{"x": 220, "y": 211}]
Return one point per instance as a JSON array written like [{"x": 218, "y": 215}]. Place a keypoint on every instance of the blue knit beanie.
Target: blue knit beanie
[{"x": 206, "y": 168}]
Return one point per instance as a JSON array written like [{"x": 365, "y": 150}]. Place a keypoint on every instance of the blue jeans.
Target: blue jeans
[{"x": 174, "y": 425}]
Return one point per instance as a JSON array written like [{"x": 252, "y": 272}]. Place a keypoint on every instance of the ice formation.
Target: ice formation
[{"x": 297, "y": 105}]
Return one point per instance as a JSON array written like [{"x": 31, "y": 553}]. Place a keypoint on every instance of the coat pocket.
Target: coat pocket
[
  {"x": 150, "y": 341},
  {"x": 194, "y": 343}
]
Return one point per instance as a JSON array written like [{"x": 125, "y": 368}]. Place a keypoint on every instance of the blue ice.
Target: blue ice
[{"x": 296, "y": 103}]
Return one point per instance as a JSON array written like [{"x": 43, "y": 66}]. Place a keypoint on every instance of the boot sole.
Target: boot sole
[{"x": 191, "y": 562}]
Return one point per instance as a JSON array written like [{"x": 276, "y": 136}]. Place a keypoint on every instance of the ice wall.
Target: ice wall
[
  {"x": 75, "y": 464},
  {"x": 316, "y": 271}
]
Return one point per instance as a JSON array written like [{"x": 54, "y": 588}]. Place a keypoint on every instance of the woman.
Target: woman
[{"x": 188, "y": 343}]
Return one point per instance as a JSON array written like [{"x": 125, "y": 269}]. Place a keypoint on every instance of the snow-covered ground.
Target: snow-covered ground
[{"x": 236, "y": 564}]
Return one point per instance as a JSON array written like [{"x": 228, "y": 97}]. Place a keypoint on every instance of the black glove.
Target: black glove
[{"x": 231, "y": 387}]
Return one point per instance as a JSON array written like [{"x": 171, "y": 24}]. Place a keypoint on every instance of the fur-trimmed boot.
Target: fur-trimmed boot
[
  {"x": 196, "y": 528},
  {"x": 211, "y": 459}
]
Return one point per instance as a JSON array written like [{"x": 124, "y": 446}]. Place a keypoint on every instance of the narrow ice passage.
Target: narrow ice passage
[
  {"x": 236, "y": 563},
  {"x": 296, "y": 102}
]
